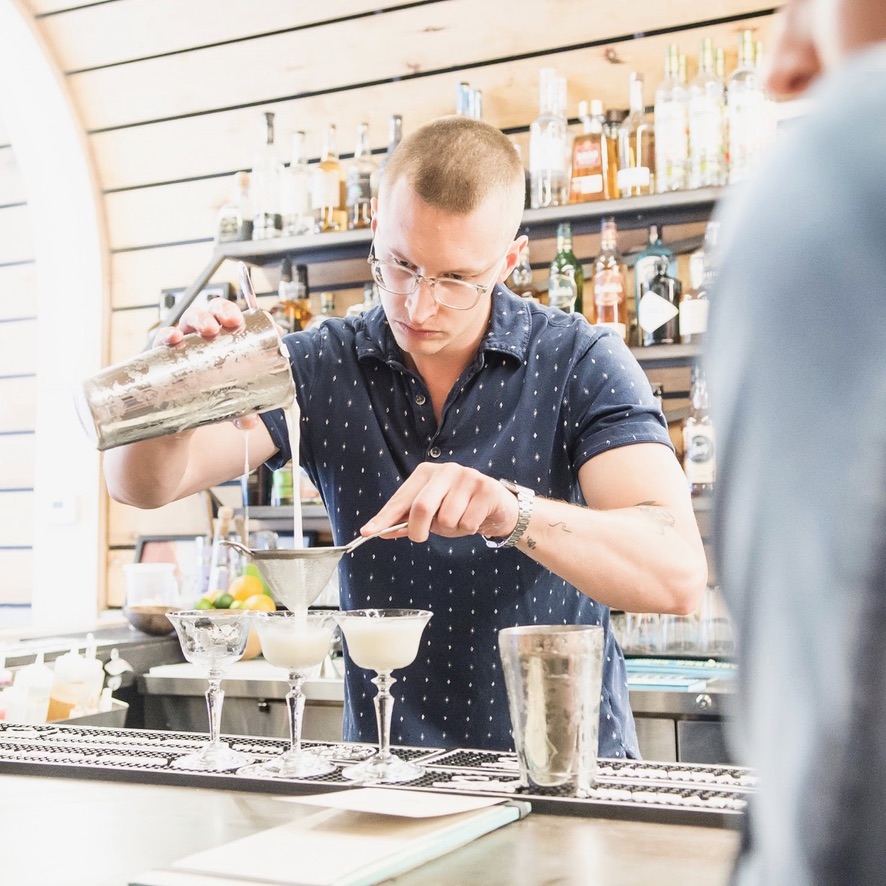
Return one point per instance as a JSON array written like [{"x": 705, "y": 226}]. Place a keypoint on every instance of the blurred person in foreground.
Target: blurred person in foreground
[
  {"x": 797, "y": 374},
  {"x": 416, "y": 410}
]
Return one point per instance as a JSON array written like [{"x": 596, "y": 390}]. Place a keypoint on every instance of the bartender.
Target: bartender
[{"x": 522, "y": 445}]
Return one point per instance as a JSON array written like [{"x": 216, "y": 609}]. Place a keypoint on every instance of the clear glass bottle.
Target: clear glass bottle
[
  {"x": 327, "y": 310},
  {"x": 706, "y": 122},
  {"x": 612, "y": 120},
  {"x": 644, "y": 269},
  {"x": 326, "y": 185},
  {"x": 292, "y": 312},
  {"x": 671, "y": 117},
  {"x": 566, "y": 278},
  {"x": 694, "y": 304},
  {"x": 548, "y": 143},
  {"x": 267, "y": 185},
  {"x": 234, "y": 221},
  {"x": 297, "y": 218},
  {"x": 521, "y": 277},
  {"x": 658, "y": 311},
  {"x": 358, "y": 181},
  {"x": 636, "y": 146},
  {"x": 587, "y": 180},
  {"x": 699, "y": 448},
  {"x": 610, "y": 288},
  {"x": 395, "y": 136},
  {"x": 746, "y": 111},
  {"x": 370, "y": 300}
]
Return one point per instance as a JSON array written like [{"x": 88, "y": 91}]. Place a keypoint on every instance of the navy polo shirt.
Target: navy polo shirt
[{"x": 547, "y": 392}]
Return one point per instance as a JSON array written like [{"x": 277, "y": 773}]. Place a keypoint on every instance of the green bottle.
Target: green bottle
[{"x": 566, "y": 281}]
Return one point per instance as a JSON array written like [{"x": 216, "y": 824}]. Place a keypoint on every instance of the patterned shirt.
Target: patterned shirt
[{"x": 546, "y": 392}]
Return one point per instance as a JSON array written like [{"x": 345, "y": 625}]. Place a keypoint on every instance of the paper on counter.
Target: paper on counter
[{"x": 384, "y": 801}]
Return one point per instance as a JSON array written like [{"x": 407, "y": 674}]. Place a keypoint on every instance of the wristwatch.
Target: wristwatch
[{"x": 525, "y": 499}]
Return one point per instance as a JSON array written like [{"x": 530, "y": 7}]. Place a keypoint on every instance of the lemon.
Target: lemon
[
  {"x": 245, "y": 586},
  {"x": 260, "y": 602}
]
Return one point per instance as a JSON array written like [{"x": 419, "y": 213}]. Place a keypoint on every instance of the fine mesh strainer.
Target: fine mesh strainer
[{"x": 297, "y": 577}]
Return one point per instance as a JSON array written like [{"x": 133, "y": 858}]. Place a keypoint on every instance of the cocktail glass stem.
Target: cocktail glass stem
[
  {"x": 384, "y": 706},
  {"x": 215, "y": 697},
  {"x": 295, "y": 705}
]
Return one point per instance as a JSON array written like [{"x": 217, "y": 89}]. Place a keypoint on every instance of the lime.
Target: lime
[
  {"x": 223, "y": 601},
  {"x": 204, "y": 603}
]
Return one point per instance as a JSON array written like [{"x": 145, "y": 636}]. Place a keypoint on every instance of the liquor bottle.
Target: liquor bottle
[
  {"x": 566, "y": 278},
  {"x": 395, "y": 136},
  {"x": 234, "y": 220},
  {"x": 267, "y": 181},
  {"x": 327, "y": 310},
  {"x": 699, "y": 449},
  {"x": 548, "y": 142},
  {"x": 636, "y": 146},
  {"x": 706, "y": 121},
  {"x": 358, "y": 181},
  {"x": 610, "y": 288},
  {"x": 521, "y": 276},
  {"x": 671, "y": 127},
  {"x": 292, "y": 312},
  {"x": 746, "y": 111},
  {"x": 644, "y": 269},
  {"x": 587, "y": 180},
  {"x": 370, "y": 300},
  {"x": 694, "y": 304},
  {"x": 658, "y": 311},
  {"x": 612, "y": 120},
  {"x": 297, "y": 217},
  {"x": 326, "y": 185},
  {"x": 527, "y": 183}
]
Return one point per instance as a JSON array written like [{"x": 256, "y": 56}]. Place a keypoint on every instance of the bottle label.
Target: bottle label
[
  {"x": 620, "y": 328},
  {"x": 654, "y": 311},
  {"x": 325, "y": 191},
  {"x": 608, "y": 288},
  {"x": 694, "y": 316},
  {"x": 562, "y": 291},
  {"x": 633, "y": 177},
  {"x": 359, "y": 188},
  {"x": 699, "y": 461}
]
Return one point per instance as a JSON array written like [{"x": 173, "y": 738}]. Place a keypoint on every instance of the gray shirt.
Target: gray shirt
[{"x": 797, "y": 372}]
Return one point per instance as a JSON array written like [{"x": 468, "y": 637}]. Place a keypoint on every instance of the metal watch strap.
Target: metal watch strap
[{"x": 525, "y": 499}]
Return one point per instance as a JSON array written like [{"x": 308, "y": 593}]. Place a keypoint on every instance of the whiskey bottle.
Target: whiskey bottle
[
  {"x": 234, "y": 220},
  {"x": 636, "y": 146},
  {"x": 658, "y": 311},
  {"x": 326, "y": 185},
  {"x": 297, "y": 217},
  {"x": 292, "y": 312},
  {"x": 610, "y": 289},
  {"x": 395, "y": 136},
  {"x": 587, "y": 181},
  {"x": 706, "y": 121},
  {"x": 549, "y": 177},
  {"x": 612, "y": 120},
  {"x": 358, "y": 181},
  {"x": 566, "y": 278},
  {"x": 699, "y": 448},
  {"x": 267, "y": 181},
  {"x": 644, "y": 269},
  {"x": 671, "y": 127},
  {"x": 746, "y": 111}
]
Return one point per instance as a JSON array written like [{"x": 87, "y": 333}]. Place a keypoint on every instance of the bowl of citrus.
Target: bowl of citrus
[{"x": 245, "y": 592}]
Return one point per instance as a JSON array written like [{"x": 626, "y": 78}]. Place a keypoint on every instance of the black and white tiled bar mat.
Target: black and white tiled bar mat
[{"x": 675, "y": 793}]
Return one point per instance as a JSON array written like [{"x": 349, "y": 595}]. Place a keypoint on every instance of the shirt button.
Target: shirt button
[
  {"x": 434, "y": 452},
  {"x": 420, "y": 399}
]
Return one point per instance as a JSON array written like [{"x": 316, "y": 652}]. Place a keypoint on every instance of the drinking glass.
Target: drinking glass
[
  {"x": 383, "y": 640},
  {"x": 295, "y": 641},
  {"x": 212, "y": 639}
]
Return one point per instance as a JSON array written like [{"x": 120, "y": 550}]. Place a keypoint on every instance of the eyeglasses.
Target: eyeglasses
[{"x": 447, "y": 291}]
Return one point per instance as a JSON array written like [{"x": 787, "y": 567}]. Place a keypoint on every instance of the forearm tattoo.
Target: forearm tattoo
[{"x": 661, "y": 518}]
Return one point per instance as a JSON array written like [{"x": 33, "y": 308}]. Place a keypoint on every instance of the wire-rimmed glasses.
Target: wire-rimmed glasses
[{"x": 451, "y": 292}]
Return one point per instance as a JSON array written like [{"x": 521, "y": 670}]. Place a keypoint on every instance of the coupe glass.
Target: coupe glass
[
  {"x": 295, "y": 641},
  {"x": 212, "y": 639},
  {"x": 383, "y": 640}
]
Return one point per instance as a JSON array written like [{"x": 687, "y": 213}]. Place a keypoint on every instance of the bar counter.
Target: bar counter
[{"x": 88, "y": 833}]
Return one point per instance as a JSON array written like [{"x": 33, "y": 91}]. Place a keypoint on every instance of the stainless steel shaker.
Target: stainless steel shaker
[{"x": 197, "y": 382}]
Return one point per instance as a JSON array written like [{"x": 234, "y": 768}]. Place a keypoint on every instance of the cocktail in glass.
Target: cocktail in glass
[
  {"x": 212, "y": 639},
  {"x": 296, "y": 642},
  {"x": 383, "y": 640}
]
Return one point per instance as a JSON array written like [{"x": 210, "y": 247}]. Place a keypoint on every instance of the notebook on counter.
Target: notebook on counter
[{"x": 358, "y": 837}]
